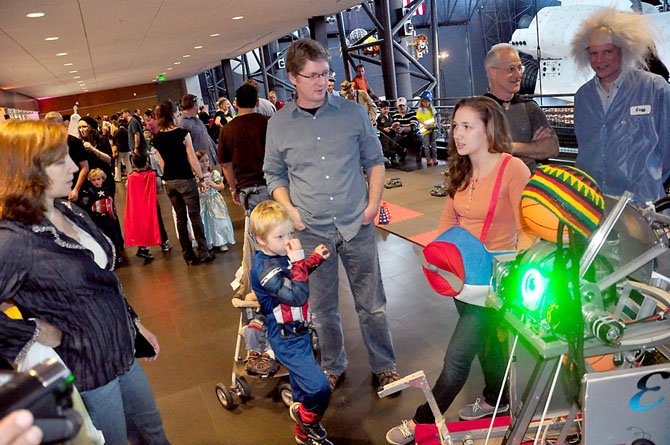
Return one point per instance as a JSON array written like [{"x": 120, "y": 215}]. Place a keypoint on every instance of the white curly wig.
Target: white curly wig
[{"x": 633, "y": 33}]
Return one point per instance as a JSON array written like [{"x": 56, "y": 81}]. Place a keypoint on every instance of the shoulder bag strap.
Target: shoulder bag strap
[{"x": 494, "y": 199}]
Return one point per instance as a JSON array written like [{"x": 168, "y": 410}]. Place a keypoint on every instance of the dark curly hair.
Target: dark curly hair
[{"x": 460, "y": 167}]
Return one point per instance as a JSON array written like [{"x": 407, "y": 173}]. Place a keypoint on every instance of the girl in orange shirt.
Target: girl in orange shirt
[{"x": 479, "y": 147}]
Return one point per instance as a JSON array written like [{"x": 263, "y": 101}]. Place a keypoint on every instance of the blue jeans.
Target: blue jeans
[
  {"x": 125, "y": 410},
  {"x": 185, "y": 199},
  {"x": 361, "y": 263},
  {"x": 429, "y": 145},
  {"x": 475, "y": 334},
  {"x": 257, "y": 194}
]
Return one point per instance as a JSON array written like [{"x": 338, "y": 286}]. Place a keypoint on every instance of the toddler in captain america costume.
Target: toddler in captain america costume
[{"x": 279, "y": 273}]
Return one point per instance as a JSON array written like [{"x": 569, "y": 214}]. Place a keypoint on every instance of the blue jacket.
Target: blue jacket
[{"x": 627, "y": 147}]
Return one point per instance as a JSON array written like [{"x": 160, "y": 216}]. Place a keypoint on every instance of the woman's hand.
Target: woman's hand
[
  {"x": 17, "y": 429},
  {"x": 49, "y": 335},
  {"x": 151, "y": 338}
]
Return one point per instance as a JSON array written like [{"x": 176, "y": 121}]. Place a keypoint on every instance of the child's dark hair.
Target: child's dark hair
[{"x": 140, "y": 160}]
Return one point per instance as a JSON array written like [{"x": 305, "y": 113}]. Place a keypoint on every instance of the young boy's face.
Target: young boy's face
[
  {"x": 96, "y": 181},
  {"x": 384, "y": 110},
  {"x": 276, "y": 241}
]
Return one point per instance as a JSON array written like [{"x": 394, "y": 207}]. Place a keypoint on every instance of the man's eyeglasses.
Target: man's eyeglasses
[
  {"x": 315, "y": 76},
  {"x": 511, "y": 69}
]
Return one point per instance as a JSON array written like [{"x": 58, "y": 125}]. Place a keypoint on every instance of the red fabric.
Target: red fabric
[
  {"x": 447, "y": 257},
  {"x": 299, "y": 271},
  {"x": 140, "y": 224},
  {"x": 426, "y": 433},
  {"x": 360, "y": 83},
  {"x": 494, "y": 199}
]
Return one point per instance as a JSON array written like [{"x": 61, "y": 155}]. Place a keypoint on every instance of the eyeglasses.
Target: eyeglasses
[
  {"x": 511, "y": 69},
  {"x": 315, "y": 76}
]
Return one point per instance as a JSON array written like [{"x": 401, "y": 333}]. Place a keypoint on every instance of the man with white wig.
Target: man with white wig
[{"x": 622, "y": 115}]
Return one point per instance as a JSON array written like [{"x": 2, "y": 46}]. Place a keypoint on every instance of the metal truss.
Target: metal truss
[{"x": 501, "y": 17}]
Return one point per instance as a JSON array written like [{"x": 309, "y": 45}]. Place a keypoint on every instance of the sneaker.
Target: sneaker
[
  {"x": 476, "y": 411},
  {"x": 250, "y": 364},
  {"x": 312, "y": 430},
  {"x": 266, "y": 366},
  {"x": 309, "y": 441},
  {"x": 392, "y": 183},
  {"x": 381, "y": 379},
  {"x": 143, "y": 252},
  {"x": 401, "y": 434},
  {"x": 334, "y": 380},
  {"x": 166, "y": 246}
]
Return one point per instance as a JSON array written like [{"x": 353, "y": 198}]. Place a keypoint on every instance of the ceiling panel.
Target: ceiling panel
[{"x": 125, "y": 42}]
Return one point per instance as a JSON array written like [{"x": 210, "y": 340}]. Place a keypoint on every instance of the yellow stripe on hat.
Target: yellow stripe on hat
[{"x": 595, "y": 219}]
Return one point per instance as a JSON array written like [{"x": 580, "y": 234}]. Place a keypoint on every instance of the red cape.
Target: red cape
[{"x": 140, "y": 223}]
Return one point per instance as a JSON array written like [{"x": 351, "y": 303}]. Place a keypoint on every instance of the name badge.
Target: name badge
[{"x": 639, "y": 110}]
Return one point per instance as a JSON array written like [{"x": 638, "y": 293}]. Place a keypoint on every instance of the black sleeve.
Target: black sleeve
[{"x": 76, "y": 149}]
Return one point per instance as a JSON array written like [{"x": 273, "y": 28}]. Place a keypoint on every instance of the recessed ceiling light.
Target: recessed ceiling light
[
  {"x": 238, "y": 17},
  {"x": 77, "y": 77},
  {"x": 177, "y": 63},
  {"x": 34, "y": 15},
  {"x": 186, "y": 56},
  {"x": 197, "y": 47},
  {"x": 214, "y": 35},
  {"x": 80, "y": 81},
  {"x": 85, "y": 91},
  {"x": 68, "y": 64},
  {"x": 73, "y": 71},
  {"x": 169, "y": 68},
  {"x": 49, "y": 39},
  {"x": 61, "y": 54},
  {"x": 163, "y": 73}
]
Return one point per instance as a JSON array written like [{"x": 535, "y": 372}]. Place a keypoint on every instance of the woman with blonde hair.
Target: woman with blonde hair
[{"x": 58, "y": 269}]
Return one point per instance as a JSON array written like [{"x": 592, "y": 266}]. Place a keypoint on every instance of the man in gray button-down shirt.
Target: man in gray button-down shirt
[{"x": 319, "y": 150}]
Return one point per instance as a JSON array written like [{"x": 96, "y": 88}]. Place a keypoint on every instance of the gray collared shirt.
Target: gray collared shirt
[
  {"x": 199, "y": 136},
  {"x": 606, "y": 98},
  {"x": 320, "y": 159}
]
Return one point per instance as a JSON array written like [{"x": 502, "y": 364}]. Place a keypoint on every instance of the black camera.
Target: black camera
[{"x": 46, "y": 391}]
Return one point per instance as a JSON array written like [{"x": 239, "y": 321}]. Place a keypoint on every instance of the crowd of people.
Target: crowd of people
[{"x": 318, "y": 194}]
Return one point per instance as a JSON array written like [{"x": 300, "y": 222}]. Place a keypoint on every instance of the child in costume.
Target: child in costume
[
  {"x": 143, "y": 223},
  {"x": 97, "y": 199},
  {"x": 279, "y": 274},
  {"x": 213, "y": 210}
]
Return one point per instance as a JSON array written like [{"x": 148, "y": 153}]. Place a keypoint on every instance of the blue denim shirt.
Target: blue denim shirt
[
  {"x": 321, "y": 160},
  {"x": 626, "y": 147}
]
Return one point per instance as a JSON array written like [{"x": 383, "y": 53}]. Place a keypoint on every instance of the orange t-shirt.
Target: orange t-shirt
[{"x": 468, "y": 208}]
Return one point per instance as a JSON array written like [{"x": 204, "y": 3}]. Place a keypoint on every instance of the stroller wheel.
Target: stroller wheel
[
  {"x": 286, "y": 394},
  {"x": 243, "y": 389},
  {"x": 225, "y": 397}
]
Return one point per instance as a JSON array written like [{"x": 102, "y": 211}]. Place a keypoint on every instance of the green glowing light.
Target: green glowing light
[{"x": 533, "y": 286}]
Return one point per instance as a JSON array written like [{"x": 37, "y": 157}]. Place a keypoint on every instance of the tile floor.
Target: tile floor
[{"x": 189, "y": 309}]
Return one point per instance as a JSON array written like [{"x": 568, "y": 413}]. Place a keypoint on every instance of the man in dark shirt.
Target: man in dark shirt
[
  {"x": 136, "y": 142},
  {"x": 242, "y": 149},
  {"x": 406, "y": 127},
  {"x": 77, "y": 152},
  {"x": 241, "y": 153}
]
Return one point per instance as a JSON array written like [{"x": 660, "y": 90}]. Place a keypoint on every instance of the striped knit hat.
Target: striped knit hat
[{"x": 570, "y": 194}]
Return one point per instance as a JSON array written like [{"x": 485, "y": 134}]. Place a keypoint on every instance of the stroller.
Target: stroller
[{"x": 240, "y": 387}]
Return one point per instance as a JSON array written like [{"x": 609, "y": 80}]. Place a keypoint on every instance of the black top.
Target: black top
[
  {"x": 121, "y": 140},
  {"x": 95, "y": 162},
  {"x": 77, "y": 152},
  {"x": 50, "y": 276},
  {"x": 242, "y": 142},
  {"x": 170, "y": 145}
]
